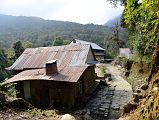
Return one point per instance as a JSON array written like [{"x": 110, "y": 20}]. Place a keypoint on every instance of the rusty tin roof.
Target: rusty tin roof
[
  {"x": 67, "y": 74},
  {"x": 67, "y": 55},
  {"x": 94, "y": 45}
]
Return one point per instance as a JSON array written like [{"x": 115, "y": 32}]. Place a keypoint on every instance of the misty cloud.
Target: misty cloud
[{"x": 81, "y": 11}]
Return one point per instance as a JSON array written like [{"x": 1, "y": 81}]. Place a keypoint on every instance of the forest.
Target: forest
[
  {"x": 43, "y": 32},
  {"x": 19, "y": 32}
]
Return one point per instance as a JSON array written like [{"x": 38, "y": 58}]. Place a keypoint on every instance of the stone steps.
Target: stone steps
[{"x": 99, "y": 106}]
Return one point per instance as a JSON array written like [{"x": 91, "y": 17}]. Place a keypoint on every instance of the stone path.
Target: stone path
[
  {"x": 109, "y": 100},
  {"x": 100, "y": 104},
  {"x": 123, "y": 92}
]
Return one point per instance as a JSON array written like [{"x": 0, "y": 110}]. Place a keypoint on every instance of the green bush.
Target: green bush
[
  {"x": 8, "y": 89},
  {"x": 102, "y": 70}
]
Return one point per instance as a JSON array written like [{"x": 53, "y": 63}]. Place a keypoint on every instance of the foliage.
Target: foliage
[
  {"x": 42, "y": 32},
  {"x": 115, "y": 2},
  {"x": 18, "y": 48},
  {"x": 113, "y": 42},
  {"x": 111, "y": 54},
  {"x": 3, "y": 65},
  {"x": 60, "y": 41},
  {"x": 142, "y": 23},
  {"x": 141, "y": 19},
  {"x": 102, "y": 70},
  {"x": 8, "y": 89},
  {"x": 27, "y": 44}
]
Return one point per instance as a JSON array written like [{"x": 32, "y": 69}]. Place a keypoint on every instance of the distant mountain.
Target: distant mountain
[
  {"x": 42, "y": 32},
  {"x": 112, "y": 22}
]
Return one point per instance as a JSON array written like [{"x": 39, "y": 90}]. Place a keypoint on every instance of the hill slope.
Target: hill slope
[
  {"x": 42, "y": 32},
  {"x": 112, "y": 22}
]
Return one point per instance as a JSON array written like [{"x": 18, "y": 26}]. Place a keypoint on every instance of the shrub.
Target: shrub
[{"x": 102, "y": 70}]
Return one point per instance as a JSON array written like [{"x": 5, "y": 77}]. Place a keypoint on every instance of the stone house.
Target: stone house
[
  {"x": 125, "y": 52},
  {"x": 55, "y": 76}
]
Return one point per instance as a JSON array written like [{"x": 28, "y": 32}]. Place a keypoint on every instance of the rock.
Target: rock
[
  {"x": 105, "y": 106},
  {"x": 87, "y": 117},
  {"x": 102, "y": 109},
  {"x": 129, "y": 107},
  {"x": 136, "y": 97},
  {"x": 21, "y": 104},
  {"x": 107, "y": 101},
  {"x": 138, "y": 90},
  {"x": 107, "y": 75},
  {"x": 67, "y": 117},
  {"x": 144, "y": 87},
  {"x": 116, "y": 108},
  {"x": 110, "y": 93}
]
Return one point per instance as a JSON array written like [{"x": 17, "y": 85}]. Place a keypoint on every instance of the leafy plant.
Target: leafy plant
[
  {"x": 102, "y": 70},
  {"x": 8, "y": 89},
  {"x": 142, "y": 22}
]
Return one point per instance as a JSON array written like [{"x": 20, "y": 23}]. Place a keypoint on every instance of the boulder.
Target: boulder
[{"x": 67, "y": 117}]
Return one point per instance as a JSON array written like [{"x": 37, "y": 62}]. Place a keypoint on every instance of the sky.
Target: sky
[{"x": 80, "y": 11}]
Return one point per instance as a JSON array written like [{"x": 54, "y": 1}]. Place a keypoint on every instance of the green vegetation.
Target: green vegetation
[
  {"x": 42, "y": 32},
  {"x": 8, "y": 89},
  {"x": 9, "y": 55},
  {"x": 141, "y": 18},
  {"x": 60, "y": 41},
  {"x": 142, "y": 22},
  {"x": 102, "y": 70},
  {"x": 3, "y": 64},
  {"x": 18, "y": 49}
]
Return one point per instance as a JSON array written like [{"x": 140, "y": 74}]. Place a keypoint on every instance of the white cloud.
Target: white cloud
[{"x": 82, "y": 11}]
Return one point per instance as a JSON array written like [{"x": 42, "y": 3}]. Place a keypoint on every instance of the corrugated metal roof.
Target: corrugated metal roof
[
  {"x": 67, "y": 55},
  {"x": 67, "y": 74},
  {"x": 94, "y": 46}
]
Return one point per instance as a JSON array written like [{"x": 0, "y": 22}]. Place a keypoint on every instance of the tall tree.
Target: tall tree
[
  {"x": 3, "y": 65},
  {"x": 27, "y": 44},
  {"x": 18, "y": 48},
  {"x": 118, "y": 42}
]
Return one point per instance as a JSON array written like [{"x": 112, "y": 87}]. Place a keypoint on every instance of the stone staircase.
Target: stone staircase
[{"x": 100, "y": 103}]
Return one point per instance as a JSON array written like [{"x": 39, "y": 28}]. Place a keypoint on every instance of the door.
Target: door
[{"x": 26, "y": 85}]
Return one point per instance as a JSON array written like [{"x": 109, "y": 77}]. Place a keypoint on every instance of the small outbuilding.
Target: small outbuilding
[
  {"x": 55, "y": 76},
  {"x": 125, "y": 52},
  {"x": 98, "y": 51}
]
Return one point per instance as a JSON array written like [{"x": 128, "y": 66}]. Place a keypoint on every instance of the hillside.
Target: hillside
[
  {"x": 42, "y": 32},
  {"x": 112, "y": 22}
]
